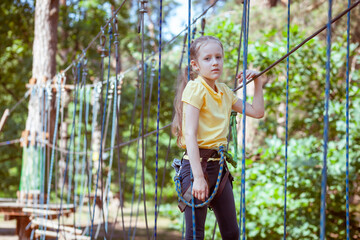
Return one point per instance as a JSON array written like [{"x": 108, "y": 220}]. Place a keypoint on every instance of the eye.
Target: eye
[
  {"x": 218, "y": 57},
  {"x": 207, "y": 58}
]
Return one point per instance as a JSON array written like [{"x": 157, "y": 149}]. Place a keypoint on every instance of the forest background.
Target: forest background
[{"x": 80, "y": 21}]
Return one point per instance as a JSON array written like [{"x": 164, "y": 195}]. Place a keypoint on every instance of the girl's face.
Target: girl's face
[{"x": 209, "y": 63}]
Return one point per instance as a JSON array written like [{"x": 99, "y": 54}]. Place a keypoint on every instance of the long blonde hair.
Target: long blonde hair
[{"x": 181, "y": 84}]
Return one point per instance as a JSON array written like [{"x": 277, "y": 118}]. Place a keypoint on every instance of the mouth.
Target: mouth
[{"x": 215, "y": 70}]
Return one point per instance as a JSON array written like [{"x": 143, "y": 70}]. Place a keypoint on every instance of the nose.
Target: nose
[{"x": 215, "y": 62}]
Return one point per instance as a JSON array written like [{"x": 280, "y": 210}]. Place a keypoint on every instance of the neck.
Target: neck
[{"x": 211, "y": 83}]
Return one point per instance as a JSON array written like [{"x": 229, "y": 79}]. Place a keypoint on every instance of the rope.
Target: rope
[
  {"x": 347, "y": 124},
  {"x": 300, "y": 45},
  {"x": 128, "y": 149},
  {"x": 151, "y": 85},
  {"x": 116, "y": 42},
  {"x": 143, "y": 11},
  {"x": 83, "y": 54},
  {"x": 113, "y": 129},
  {"x": 72, "y": 142},
  {"x": 131, "y": 128},
  {"x": 141, "y": 183},
  {"x": 158, "y": 120},
  {"x": 84, "y": 159},
  {"x": 42, "y": 150},
  {"x": 69, "y": 155},
  {"x": 133, "y": 191},
  {"x": 106, "y": 149},
  {"x": 242, "y": 218},
  {"x": 102, "y": 129},
  {"x": 77, "y": 80},
  {"x": 287, "y": 115},
  {"x": 77, "y": 163},
  {"x": 20, "y": 101},
  {"x": 114, "y": 120},
  {"x": 96, "y": 96},
  {"x": 137, "y": 158},
  {"x": 53, "y": 150},
  {"x": 239, "y": 49},
  {"x": 102, "y": 109},
  {"x": 164, "y": 172},
  {"x": 326, "y": 128},
  {"x": 109, "y": 98},
  {"x": 175, "y": 37}
]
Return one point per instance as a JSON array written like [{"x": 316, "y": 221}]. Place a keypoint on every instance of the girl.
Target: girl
[{"x": 201, "y": 123}]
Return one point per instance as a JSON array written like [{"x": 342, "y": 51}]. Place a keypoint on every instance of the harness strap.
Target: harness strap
[
  {"x": 205, "y": 154},
  {"x": 222, "y": 184}
]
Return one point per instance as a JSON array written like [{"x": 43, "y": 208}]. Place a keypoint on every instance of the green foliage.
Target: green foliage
[
  {"x": 80, "y": 21},
  {"x": 265, "y": 164},
  {"x": 16, "y": 34}
]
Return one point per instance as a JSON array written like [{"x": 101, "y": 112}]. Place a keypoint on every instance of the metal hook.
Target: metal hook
[
  {"x": 143, "y": 6},
  {"x": 116, "y": 29}
]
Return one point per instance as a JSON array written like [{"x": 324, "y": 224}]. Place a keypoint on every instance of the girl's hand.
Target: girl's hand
[
  {"x": 200, "y": 189},
  {"x": 249, "y": 74}
]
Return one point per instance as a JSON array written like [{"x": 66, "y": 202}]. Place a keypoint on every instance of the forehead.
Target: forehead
[{"x": 210, "y": 47}]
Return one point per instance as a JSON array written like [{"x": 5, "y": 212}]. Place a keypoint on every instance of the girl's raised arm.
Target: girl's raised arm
[{"x": 256, "y": 109}]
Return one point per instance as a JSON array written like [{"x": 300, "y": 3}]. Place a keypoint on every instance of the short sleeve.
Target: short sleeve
[{"x": 194, "y": 94}]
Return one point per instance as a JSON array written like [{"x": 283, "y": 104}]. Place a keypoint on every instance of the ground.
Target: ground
[{"x": 7, "y": 228}]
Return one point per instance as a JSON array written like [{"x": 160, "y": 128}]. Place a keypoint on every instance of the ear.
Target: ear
[{"x": 194, "y": 65}]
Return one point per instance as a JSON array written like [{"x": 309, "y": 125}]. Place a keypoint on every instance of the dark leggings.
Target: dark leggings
[{"x": 223, "y": 205}]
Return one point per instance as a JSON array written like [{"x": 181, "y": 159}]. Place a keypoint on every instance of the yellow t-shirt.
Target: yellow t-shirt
[{"x": 215, "y": 111}]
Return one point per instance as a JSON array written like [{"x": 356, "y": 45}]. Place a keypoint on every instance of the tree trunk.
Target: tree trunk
[{"x": 44, "y": 69}]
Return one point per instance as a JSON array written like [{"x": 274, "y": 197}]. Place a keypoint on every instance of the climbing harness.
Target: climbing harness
[{"x": 184, "y": 198}]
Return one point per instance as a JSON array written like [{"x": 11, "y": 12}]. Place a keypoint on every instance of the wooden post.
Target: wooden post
[{"x": 21, "y": 224}]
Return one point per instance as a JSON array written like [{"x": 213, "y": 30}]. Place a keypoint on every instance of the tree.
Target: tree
[{"x": 43, "y": 70}]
